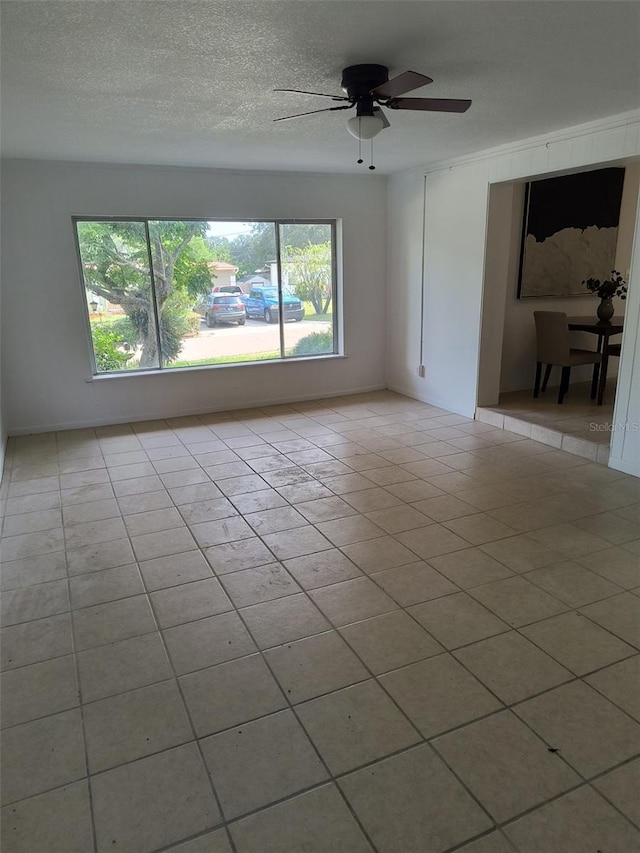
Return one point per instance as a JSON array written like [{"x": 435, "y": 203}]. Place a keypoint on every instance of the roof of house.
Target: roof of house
[{"x": 221, "y": 266}]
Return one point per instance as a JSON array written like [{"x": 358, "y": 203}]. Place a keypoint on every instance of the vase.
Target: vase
[{"x": 605, "y": 310}]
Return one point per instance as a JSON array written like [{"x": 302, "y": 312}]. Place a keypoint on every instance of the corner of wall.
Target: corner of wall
[{"x": 3, "y": 446}]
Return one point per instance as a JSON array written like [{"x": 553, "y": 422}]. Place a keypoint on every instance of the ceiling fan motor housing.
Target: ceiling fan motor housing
[{"x": 359, "y": 80}]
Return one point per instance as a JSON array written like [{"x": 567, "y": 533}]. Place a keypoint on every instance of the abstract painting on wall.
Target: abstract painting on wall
[{"x": 569, "y": 232}]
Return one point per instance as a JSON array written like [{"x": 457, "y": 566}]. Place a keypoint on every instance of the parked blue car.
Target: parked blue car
[{"x": 263, "y": 302}]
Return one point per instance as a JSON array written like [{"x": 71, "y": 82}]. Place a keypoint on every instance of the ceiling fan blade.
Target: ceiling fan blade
[
  {"x": 321, "y": 94},
  {"x": 385, "y": 121},
  {"x": 440, "y": 105},
  {"x": 405, "y": 82},
  {"x": 311, "y": 112}
]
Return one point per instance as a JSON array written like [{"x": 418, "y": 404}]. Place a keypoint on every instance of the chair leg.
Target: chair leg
[
  {"x": 547, "y": 374},
  {"x": 536, "y": 387},
  {"x": 564, "y": 383},
  {"x": 594, "y": 380}
]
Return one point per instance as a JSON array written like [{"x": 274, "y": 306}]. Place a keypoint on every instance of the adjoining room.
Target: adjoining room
[{"x": 584, "y": 422}]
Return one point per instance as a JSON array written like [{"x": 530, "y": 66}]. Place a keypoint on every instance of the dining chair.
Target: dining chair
[
  {"x": 553, "y": 347},
  {"x": 609, "y": 350}
]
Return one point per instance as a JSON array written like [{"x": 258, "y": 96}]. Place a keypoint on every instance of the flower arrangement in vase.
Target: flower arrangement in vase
[{"x": 606, "y": 290}]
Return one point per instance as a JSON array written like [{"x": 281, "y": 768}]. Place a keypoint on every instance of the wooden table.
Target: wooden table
[{"x": 604, "y": 331}]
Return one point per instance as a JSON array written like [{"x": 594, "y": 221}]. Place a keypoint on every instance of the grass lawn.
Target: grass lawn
[
  {"x": 324, "y": 318},
  {"x": 226, "y": 359},
  {"x": 105, "y": 318},
  {"x": 310, "y": 313}
]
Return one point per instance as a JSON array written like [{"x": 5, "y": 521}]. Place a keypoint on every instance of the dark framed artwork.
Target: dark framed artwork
[{"x": 569, "y": 232}]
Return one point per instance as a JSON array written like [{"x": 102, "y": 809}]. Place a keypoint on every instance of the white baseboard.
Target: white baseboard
[
  {"x": 431, "y": 401},
  {"x": 156, "y": 416}
]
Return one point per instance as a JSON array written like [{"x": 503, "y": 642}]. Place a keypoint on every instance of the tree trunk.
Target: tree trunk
[
  {"x": 140, "y": 313},
  {"x": 149, "y": 354}
]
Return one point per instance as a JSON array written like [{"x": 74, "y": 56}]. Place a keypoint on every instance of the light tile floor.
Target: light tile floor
[
  {"x": 356, "y": 624},
  {"x": 579, "y": 425}
]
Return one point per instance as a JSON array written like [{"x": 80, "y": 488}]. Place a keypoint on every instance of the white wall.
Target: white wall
[
  {"x": 3, "y": 429},
  {"x": 405, "y": 252},
  {"x": 453, "y": 269},
  {"x": 456, "y": 227},
  {"x": 44, "y": 341},
  {"x": 624, "y": 453},
  {"x": 500, "y": 262},
  {"x": 518, "y": 350}
]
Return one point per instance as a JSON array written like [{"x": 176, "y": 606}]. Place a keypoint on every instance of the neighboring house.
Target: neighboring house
[
  {"x": 99, "y": 305},
  {"x": 273, "y": 273},
  {"x": 247, "y": 283},
  {"x": 222, "y": 273}
]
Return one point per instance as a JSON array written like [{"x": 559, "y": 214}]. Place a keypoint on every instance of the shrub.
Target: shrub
[
  {"x": 106, "y": 341},
  {"x": 126, "y": 331},
  {"x": 175, "y": 323},
  {"x": 193, "y": 321},
  {"x": 317, "y": 343}
]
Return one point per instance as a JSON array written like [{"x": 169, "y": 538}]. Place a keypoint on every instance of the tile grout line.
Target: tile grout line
[
  {"x": 196, "y": 739},
  {"x": 80, "y": 707}
]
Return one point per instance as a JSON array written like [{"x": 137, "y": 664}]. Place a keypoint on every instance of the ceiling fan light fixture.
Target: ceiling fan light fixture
[
  {"x": 365, "y": 127},
  {"x": 368, "y": 88}
]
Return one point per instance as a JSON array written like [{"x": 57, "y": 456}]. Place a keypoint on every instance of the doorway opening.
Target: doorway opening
[{"x": 507, "y": 343}]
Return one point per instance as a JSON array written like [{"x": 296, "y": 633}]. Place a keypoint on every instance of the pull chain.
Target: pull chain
[{"x": 360, "y": 160}]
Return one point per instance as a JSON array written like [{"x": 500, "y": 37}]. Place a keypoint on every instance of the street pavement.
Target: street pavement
[{"x": 253, "y": 338}]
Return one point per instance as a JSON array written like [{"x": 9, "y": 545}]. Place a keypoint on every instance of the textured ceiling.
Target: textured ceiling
[{"x": 190, "y": 83}]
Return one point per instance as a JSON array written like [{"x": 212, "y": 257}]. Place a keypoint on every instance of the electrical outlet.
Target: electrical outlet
[{"x": 421, "y": 370}]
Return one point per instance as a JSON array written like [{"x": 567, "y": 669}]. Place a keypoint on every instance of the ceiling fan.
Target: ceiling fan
[{"x": 368, "y": 89}]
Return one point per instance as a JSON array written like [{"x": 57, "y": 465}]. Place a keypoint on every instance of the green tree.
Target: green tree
[
  {"x": 252, "y": 251},
  {"x": 220, "y": 247},
  {"x": 116, "y": 266},
  {"x": 310, "y": 268},
  {"x": 300, "y": 233}
]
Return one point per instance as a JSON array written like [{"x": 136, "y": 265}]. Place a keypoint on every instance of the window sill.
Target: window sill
[{"x": 129, "y": 374}]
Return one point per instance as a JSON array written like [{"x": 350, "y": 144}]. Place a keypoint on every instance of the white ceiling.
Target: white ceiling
[{"x": 190, "y": 83}]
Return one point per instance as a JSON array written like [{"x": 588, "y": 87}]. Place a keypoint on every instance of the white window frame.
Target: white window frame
[{"x": 336, "y": 297}]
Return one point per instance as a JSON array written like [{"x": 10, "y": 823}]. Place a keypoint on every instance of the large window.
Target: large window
[{"x": 165, "y": 294}]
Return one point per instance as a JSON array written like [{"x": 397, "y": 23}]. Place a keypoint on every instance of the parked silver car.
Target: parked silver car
[{"x": 223, "y": 308}]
